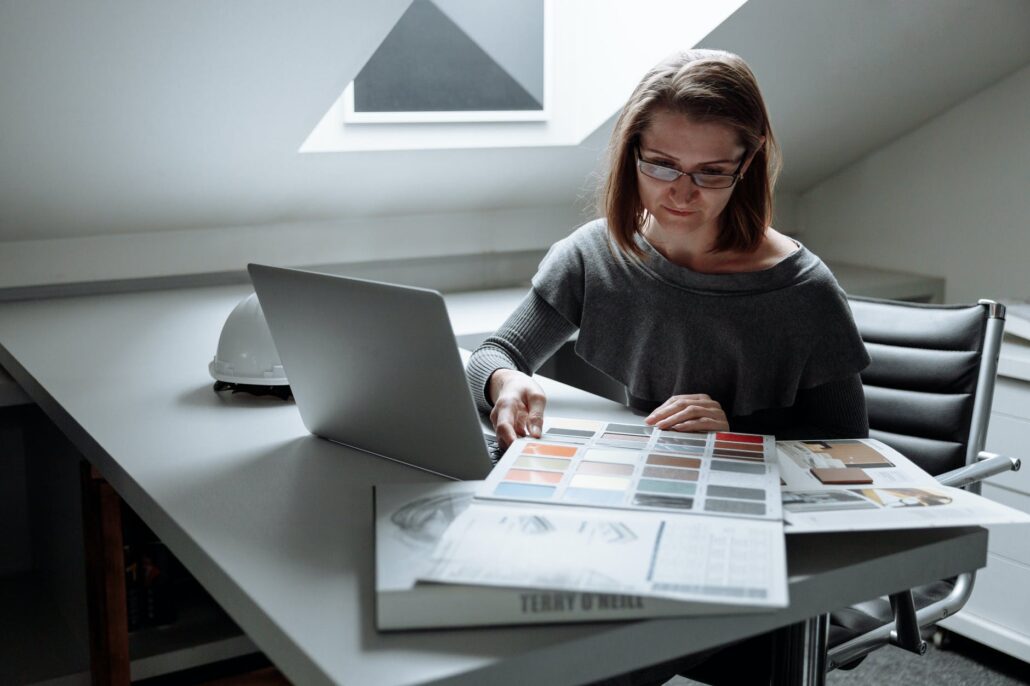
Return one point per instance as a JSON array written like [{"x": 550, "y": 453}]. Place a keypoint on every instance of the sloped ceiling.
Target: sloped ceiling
[
  {"x": 127, "y": 115},
  {"x": 844, "y": 77},
  {"x": 123, "y": 116}
]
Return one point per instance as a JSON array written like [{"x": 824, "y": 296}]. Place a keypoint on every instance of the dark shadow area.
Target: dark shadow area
[
  {"x": 250, "y": 669},
  {"x": 959, "y": 661},
  {"x": 207, "y": 396}
]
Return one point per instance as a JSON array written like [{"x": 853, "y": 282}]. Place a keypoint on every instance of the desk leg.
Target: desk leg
[
  {"x": 799, "y": 657},
  {"x": 105, "y": 580}
]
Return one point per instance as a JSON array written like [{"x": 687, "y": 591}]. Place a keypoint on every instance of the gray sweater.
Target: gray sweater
[{"x": 777, "y": 348}]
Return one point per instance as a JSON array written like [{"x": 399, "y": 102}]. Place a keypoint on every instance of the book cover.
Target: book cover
[{"x": 409, "y": 521}]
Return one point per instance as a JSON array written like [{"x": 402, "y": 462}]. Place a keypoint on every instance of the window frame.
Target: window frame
[{"x": 466, "y": 116}]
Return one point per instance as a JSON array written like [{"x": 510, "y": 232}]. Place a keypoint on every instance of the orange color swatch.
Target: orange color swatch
[{"x": 549, "y": 450}]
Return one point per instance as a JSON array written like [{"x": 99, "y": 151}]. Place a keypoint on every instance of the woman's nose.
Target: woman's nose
[{"x": 684, "y": 187}]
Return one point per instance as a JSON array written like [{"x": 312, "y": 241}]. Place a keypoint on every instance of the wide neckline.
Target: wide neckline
[{"x": 782, "y": 274}]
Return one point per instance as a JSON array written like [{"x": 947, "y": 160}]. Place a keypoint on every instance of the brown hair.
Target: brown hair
[{"x": 707, "y": 86}]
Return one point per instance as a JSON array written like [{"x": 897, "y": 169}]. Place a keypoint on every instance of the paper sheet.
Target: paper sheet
[
  {"x": 683, "y": 557},
  {"x": 901, "y": 495}
]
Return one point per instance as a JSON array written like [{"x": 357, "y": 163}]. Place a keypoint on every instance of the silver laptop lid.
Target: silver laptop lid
[{"x": 374, "y": 366}]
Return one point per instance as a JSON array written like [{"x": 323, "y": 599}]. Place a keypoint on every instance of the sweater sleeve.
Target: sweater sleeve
[
  {"x": 835, "y": 409},
  {"x": 529, "y": 337},
  {"x": 834, "y": 343}
]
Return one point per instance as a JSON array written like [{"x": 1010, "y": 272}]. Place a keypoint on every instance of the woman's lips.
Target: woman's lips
[{"x": 678, "y": 213}]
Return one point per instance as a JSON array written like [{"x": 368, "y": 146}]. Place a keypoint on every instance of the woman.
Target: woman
[
  {"x": 686, "y": 294},
  {"x": 683, "y": 291}
]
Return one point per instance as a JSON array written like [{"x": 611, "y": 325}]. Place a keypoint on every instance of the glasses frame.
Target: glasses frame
[{"x": 734, "y": 177}]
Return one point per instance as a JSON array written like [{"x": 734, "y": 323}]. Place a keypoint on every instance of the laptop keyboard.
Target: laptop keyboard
[{"x": 493, "y": 448}]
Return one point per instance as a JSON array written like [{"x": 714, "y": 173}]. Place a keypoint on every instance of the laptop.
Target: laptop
[{"x": 375, "y": 366}]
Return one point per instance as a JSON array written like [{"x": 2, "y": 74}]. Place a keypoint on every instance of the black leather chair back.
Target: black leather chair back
[{"x": 921, "y": 383}]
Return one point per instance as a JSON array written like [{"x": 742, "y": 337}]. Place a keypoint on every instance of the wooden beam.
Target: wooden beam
[{"x": 105, "y": 580}]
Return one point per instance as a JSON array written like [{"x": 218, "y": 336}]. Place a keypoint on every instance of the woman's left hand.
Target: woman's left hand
[{"x": 694, "y": 412}]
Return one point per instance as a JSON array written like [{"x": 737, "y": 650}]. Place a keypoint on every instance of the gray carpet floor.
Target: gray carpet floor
[{"x": 962, "y": 662}]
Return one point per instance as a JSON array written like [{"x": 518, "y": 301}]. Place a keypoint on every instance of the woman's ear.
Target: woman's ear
[{"x": 751, "y": 157}]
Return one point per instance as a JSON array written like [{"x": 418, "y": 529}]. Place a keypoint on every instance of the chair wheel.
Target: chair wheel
[{"x": 941, "y": 639}]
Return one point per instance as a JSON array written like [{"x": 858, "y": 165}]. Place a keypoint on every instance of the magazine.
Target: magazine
[
  {"x": 865, "y": 485},
  {"x": 409, "y": 521}
]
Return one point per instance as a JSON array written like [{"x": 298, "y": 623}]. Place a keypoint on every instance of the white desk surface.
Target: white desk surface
[{"x": 277, "y": 524}]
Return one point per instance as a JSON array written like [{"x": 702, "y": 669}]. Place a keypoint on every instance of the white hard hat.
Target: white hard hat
[{"x": 246, "y": 355}]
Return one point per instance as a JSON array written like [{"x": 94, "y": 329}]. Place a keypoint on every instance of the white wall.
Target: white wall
[
  {"x": 949, "y": 199},
  {"x": 53, "y": 261},
  {"x": 145, "y": 140},
  {"x": 786, "y": 217},
  {"x": 156, "y": 138}
]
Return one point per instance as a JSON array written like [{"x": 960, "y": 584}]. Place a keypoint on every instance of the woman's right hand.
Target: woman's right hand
[{"x": 518, "y": 406}]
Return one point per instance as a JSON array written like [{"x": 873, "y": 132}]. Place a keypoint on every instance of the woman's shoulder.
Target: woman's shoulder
[
  {"x": 574, "y": 263},
  {"x": 591, "y": 235},
  {"x": 774, "y": 248},
  {"x": 806, "y": 279},
  {"x": 807, "y": 267},
  {"x": 588, "y": 242}
]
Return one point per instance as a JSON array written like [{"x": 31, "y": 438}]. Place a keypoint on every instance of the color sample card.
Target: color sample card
[
  {"x": 639, "y": 467},
  {"x": 841, "y": 475}
]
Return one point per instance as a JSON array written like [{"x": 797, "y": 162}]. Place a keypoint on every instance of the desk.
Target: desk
[{"x": 277, "y": 524}]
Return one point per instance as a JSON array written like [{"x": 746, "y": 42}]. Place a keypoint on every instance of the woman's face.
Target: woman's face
[{"x": 673, "y": 140}]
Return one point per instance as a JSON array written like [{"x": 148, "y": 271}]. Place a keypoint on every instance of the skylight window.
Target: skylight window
[
  {"x": 589, "y": 55},
  {"x": 457, "y": 61}
]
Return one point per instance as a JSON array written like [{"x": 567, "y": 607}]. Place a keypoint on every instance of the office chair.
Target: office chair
[{"x": 929, "y": 389}]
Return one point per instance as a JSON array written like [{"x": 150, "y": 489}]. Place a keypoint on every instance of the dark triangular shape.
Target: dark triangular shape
[{"x": 428, "y": 64}]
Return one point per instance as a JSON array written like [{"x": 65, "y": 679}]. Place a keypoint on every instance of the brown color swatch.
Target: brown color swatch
[{"x": 839, "y": 475}]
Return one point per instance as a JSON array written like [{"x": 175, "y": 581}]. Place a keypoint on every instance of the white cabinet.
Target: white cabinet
[{"x": 998, "y": 613}]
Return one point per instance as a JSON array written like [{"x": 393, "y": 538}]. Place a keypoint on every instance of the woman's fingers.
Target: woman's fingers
[
  {"x": 706, "y": 423},
  {"x": 679, "y": 404},
  {"x": 536, "y": 401},
  {"x": 690, "y": 412},
  {"x": 518, "y": 410},
  {"x": 505, "y": 421},
  {"x": 711, "y": 419},
  {"x": 505, "y": 433}
]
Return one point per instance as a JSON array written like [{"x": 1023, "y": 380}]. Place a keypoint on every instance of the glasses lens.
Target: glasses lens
[
  {"x": 658, "y": 172},
  {"x": 714, "y": 180}
]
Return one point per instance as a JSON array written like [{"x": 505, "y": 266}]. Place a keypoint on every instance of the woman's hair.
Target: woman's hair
[{"x": 706, "y": 86}]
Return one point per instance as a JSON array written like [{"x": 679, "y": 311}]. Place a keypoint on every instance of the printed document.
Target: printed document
[{"x": 683, "y": 557}]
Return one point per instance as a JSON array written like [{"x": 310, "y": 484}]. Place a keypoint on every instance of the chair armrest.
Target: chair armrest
[
  {"x": 925, "y": 617},
  {"x": 987, "y": 464}
]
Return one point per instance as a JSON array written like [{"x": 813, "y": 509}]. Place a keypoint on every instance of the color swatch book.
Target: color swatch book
[
  {"x": 865, "y": 485},
  {"x": 618, "y": 508},
  {"x": 638, "y": 467},
  {"x": 411, "y": 518}
]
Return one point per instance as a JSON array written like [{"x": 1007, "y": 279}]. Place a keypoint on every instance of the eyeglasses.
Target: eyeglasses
[{"x": 700, "y": 179}]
